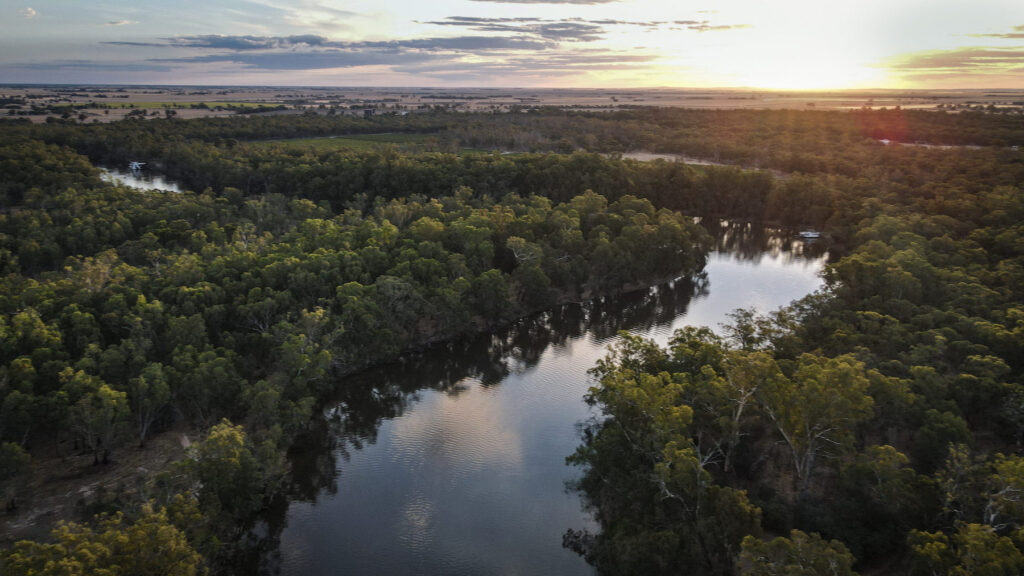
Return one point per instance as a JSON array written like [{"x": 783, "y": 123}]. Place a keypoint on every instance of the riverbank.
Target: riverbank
[
  {"x": 66, "y": 485},
  {"x": 429, "y": 460}
]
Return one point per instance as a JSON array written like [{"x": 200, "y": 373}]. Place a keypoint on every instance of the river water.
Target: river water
[
  {"x": 652, "y": 156},
  {"x": 141, "y": 180},
  {"x": 453, "y": 461}
]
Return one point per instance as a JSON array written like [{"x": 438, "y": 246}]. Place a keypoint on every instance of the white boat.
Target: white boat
[{"x": 809, "y": 234}]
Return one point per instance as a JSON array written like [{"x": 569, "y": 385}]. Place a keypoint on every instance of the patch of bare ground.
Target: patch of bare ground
[{"x": 65, "y": 484}]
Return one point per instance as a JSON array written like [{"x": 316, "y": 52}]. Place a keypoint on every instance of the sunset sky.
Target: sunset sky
[{"x": 518, "y": 43}]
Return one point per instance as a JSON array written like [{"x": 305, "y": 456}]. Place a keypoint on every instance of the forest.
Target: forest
[{"x": 874, "y": 426}]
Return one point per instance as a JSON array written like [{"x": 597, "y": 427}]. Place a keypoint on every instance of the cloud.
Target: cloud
[
  {"x": 317, "y": 52},
  {"x": 977, "y": 66},
  {"x": 119, "y": 23},
  {"x": 707, "y": 26},
  {"x": 574, "y": 30},
  {"x": 496, "y": 48},
  {"x": 961, "y": 60},
  {"x": 429, "y": 63},
  {"x": 460, "y": 43},
  {"x": 1017, "y": 34},
  {"x": 93, "y": 65},
  {"x": 644, "y": 24},
  {"x": 27, "y": 12},
  {"x": 569, "y": 63},
  {"x": 719, "y": 27},
  {"x": 219, "y": 42},
  {"x": 311, "y": 44},
  {"x": 499, "y": 24},
  {"x": 308, "y": 60}
]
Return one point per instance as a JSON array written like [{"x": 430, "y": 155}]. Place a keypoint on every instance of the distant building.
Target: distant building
[{"x": 368, "y": 113}]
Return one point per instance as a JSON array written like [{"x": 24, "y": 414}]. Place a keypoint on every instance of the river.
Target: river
[
  {"x": 453, "y": 461},
  {"x": 652, "y": 156},
  {"x": 141, "y": 180}
]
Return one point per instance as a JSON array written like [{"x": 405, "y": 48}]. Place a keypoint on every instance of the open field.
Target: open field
[
  {"x": 108, "y": 103},
  {"x": 167, "y": 104}
]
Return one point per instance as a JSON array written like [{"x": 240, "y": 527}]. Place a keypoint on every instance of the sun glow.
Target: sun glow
[{"x": 810, "y": 75}]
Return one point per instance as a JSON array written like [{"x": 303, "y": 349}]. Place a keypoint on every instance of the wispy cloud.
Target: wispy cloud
[
  {"x": 962, "y": 60},
  {"x": 706, "y": 26},
  {"x": 308, "y": 60},
  {"x": 27, "y": 12},
  {"x": 435, "y": 64},
  {"x": 93, "y": 65},
  {"x": 1017, "y": 34},
  {"x": 968, "y": 66},
  {"x": 312, "y": 44},
  {"x": 233, "y": 42},
  {"x": 509, "y": 46},
  {"x": 308, "y": 14},
  {"x": 119, "y": 23},
  {"x": 574, "y": 30},
  {"x": 563, "y": 64},
  {"x": 459, "y": 43},
  {"x": 640, "y": 23}
]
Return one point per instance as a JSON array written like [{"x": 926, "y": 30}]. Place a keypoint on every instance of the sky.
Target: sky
[{"x": 773, "y": 44}]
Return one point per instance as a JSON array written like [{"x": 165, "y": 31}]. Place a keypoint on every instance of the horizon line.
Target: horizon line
[{"x": 516, "y": 88}]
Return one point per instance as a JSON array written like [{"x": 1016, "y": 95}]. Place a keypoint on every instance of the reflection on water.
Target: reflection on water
[
  {"x": 652, "y": 156},
  {"x": 888, "y": 142},
  {"x": 752, "y": 242},
  {"x": 141, "y": 180},
  {"x": 452, "y": 461}
]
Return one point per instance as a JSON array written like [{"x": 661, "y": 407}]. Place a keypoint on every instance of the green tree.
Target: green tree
[
  {"x": 799, "y": 555},
  {"x": 234, "y": 477},
  {"x": 974, "y": 550},
  {"x": 149, "y": 393},
  {"x": 98, "y": 414},
  {"x": 14, "y": 464},
  {"x": 817, "y": 409},
  {"x": 116, "y": 547}
]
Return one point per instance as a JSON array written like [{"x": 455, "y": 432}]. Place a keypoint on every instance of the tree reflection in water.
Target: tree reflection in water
[{"x": 352, "y": 418}]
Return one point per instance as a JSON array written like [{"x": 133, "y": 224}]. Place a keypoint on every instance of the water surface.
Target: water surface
[
  {"x": 652, "y": 156},
  {"x": 453, "y": 461},
  {"x": 141, "y": 180}
]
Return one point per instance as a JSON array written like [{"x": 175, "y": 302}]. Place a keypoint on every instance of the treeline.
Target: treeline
[
  {"x": 112, "y": 141},
  {"x": 834, "y": 163},
  {"x": 732, "y": 131},
  {"x": 875, "y": 425},
  {"x": 805, "y": 141},
  {"x": 837, "y": 143}
]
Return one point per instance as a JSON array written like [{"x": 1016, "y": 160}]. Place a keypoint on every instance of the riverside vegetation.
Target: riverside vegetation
[{"x": 874, "y": 425}]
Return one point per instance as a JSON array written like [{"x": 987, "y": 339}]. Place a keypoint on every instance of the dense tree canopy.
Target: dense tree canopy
[{"x": 875, "y": 424}]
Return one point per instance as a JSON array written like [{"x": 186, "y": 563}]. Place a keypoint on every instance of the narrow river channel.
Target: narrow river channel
[{"x": 453, "y": 461}]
